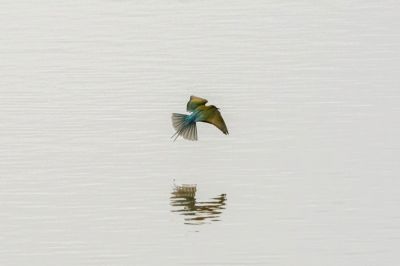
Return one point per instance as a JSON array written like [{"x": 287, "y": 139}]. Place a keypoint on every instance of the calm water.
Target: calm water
[{"x": 309, "y": 174}]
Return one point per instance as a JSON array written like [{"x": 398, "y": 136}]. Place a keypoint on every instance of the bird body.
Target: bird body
[{"x": 185, "y": 125}]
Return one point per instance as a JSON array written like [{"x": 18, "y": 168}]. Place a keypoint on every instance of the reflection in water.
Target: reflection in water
[{"x": 183, "y": 198}]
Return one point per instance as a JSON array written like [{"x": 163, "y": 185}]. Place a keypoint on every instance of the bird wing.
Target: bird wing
[
  {"x": 195, "y": 102},
  {"x": 214, "y": 117}
]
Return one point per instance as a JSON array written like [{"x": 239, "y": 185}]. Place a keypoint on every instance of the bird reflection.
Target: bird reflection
[{"x": 183, "y": 199}]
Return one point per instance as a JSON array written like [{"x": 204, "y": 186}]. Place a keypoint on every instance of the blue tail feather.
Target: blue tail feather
[{"x": 185, "y": 126}]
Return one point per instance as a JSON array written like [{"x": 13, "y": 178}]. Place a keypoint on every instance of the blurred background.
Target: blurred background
[{"x": 309, "y": 174}]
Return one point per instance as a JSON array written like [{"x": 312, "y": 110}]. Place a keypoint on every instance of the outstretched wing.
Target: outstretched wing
[
  {"x": 195, "y": 102},
  {"x": 213, "y": 116}
]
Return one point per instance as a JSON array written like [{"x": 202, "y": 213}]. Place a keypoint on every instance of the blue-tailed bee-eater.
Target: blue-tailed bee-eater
[{"x": 185, "y": 125}]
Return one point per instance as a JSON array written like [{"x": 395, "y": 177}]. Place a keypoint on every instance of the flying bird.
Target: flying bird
[{"x": 185, "y": 125}]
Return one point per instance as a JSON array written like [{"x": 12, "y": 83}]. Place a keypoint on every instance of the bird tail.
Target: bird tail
[{"x": 184, "y": 127}]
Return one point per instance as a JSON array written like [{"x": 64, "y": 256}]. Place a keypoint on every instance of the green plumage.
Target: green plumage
[{"x": 185, "y": 125}]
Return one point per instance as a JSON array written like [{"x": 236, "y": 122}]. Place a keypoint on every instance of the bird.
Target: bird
[{"x": 185, "y": 125}]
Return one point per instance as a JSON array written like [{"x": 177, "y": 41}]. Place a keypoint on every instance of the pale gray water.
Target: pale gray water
[{"x": 310, "y": 94}]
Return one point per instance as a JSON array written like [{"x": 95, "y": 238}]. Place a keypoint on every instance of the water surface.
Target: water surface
[{"x": 307, "y": 176}]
